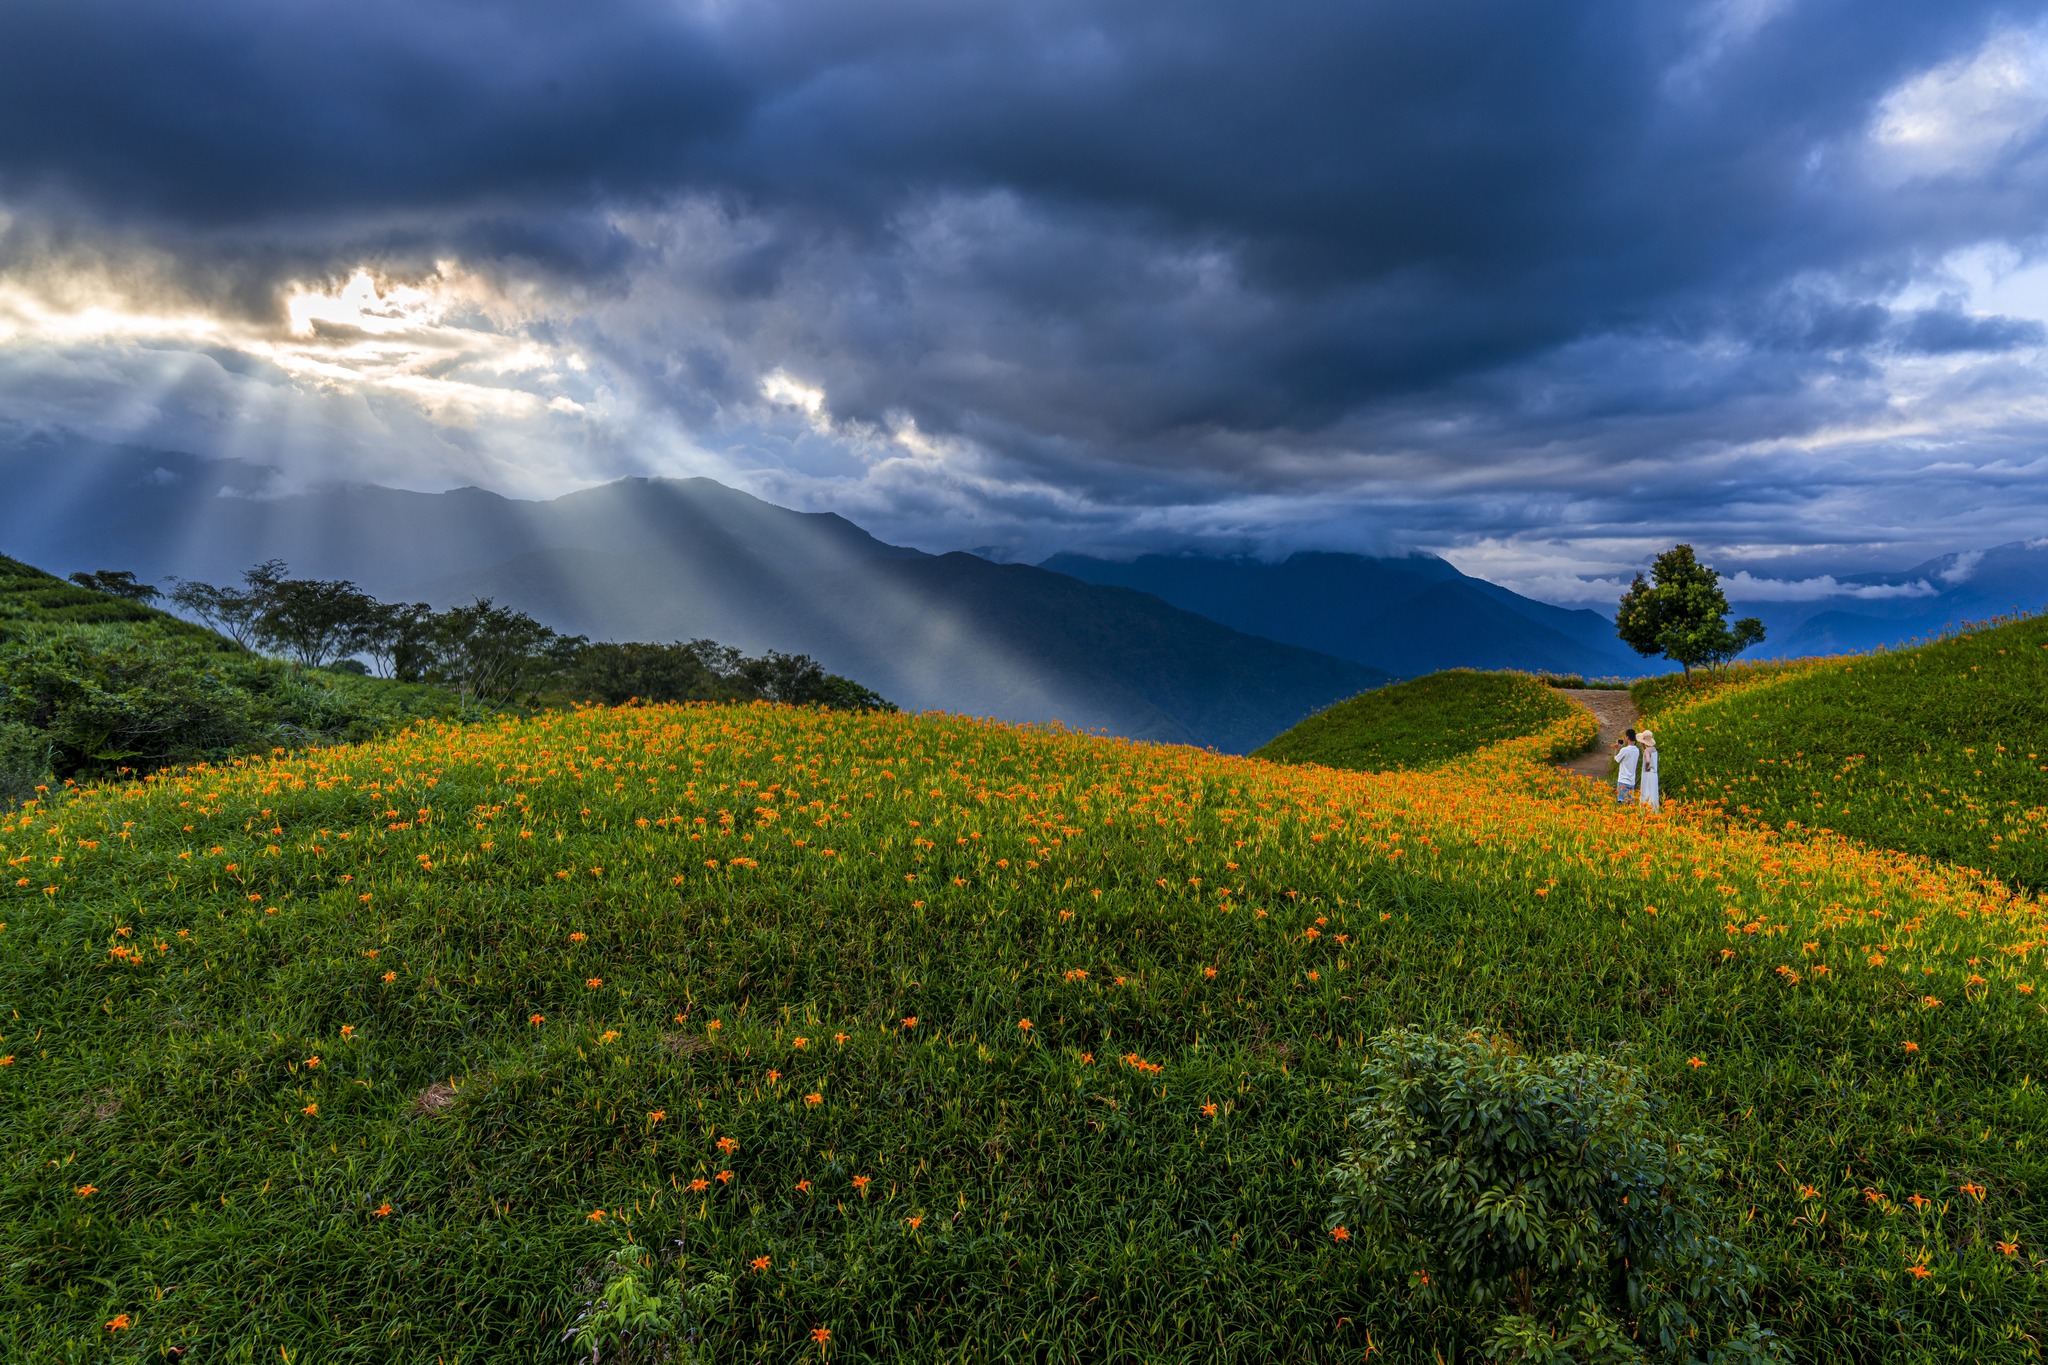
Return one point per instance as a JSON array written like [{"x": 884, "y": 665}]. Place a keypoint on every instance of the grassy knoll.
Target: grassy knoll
[
  {"x": 376, "y": 1053},
  {"x": 1940, "y": 750},
  {"x": 1422, "y": 722}
]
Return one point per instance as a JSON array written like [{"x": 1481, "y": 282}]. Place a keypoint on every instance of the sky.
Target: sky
[{"x": 1543, "y": 288}]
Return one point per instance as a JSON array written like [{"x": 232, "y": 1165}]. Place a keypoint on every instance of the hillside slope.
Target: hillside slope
[
  {"x": 92, "y": 684},
  {"x": 1940, "y": 750},
  {"x": 1426, "y": 722},
  {"x": 321, "y": 1058}
]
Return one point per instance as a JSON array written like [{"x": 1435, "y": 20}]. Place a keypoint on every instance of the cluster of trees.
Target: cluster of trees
[{"x": 486, "y": 653}]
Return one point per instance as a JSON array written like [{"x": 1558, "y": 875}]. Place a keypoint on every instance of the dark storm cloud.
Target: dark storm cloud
[
  {"x": 1149, "y": 251},
  {"x": 1944, "y": 331}
]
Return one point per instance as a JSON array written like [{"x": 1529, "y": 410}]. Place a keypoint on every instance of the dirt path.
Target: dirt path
[{"x": 1616, "y": 712}]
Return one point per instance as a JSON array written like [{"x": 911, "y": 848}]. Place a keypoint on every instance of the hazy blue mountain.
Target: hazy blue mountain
[
  {"x": 1911, "y": 604},
  {"x": 659, "y": 559},
  {"x": 1407, "y": 615}
]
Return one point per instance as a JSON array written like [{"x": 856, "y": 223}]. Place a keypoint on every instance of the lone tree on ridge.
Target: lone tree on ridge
[{"x": 1682, "y": 614}]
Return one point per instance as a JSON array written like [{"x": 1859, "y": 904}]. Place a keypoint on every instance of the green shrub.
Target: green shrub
[
  {"x": 1537, "y": 1205},
  {"x": 24, "y": 762}
]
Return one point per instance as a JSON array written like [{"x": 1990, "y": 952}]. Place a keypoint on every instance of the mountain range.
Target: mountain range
[
  {"x": 1224, "y": 652},
  {"x": 667, "y": 559},
  {"x": 1409, "y": 615},
  {"x": 1892, "y": 608}
]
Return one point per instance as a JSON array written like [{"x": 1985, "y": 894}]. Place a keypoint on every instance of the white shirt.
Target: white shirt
[{"x": 1627, "y": 759}]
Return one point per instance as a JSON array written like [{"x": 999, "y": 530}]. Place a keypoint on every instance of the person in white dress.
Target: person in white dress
[{"x": 1648, "y": 794}]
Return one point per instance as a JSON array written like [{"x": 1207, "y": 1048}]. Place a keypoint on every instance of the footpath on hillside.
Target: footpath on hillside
[{"x": 1616, "y": 711}]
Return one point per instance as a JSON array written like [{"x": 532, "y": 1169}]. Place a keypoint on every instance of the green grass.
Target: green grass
[
  {"x": 1420, "y": 723},
  {"x": 32, "y": 601},
  {"x": 713, "y": 914},
  {"x": 1940, "y": 750}
]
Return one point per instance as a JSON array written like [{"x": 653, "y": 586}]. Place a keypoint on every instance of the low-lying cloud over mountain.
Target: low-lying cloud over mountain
[{"x": 1541, "y": 287}]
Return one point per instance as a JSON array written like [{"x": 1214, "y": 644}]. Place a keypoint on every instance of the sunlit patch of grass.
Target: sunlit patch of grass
[{"x": 1427, "y": 722}]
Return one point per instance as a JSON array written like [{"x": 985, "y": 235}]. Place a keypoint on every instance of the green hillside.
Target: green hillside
[
  {"x": 32, "y": 601},
  {"x": 93, "y": 684},
  {"x": 1420, "y": 723},
  {"x": 954, "y": 1041},
  {"x": 1940, "y": 750}
]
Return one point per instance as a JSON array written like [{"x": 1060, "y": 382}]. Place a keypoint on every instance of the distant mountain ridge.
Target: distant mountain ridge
[
  {"x": 1410, "y": 615},
  {"x": 665, "y": 559},
  {"x": 1894, "y": 608}
]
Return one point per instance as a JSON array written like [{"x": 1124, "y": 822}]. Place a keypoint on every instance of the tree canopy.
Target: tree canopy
[{"x": 1682, "y": 614}]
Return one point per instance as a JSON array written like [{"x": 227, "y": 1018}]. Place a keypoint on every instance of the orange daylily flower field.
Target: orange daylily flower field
[{"x": 929, "y": 1038}]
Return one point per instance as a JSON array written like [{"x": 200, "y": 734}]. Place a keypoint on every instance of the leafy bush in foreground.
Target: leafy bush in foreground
[
  {"x": 1538, "y": 1204},
  {"x": 1423, "y": 722}
]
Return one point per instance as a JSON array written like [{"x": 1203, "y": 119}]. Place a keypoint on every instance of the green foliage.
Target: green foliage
[
  {"x": 1537, "y": 1204},
  {"x": 1940, "y": 750},
  {"x": 1421, "y": 723},
  {"x": 792, "y": 679},
  {"x": 628, "y": 1318},
  {"x": 31, "y": 599},
  {"x": 109, "y": 699},
  {"x": 315, "y": 622},
  {"x": 24, "y": 763},
  {"x": 1071, "y": 1203},
  {"x": 617, "y": 673},
  {"x": 491, "y": 654},
  {"x": 1682, "y": 614},
  {"x": 118, "y": 583}
]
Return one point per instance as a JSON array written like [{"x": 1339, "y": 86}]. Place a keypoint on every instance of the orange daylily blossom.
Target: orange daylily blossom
[
  {"x": 383, "y": 1210},
  {"x": 118, "y": 1323}
]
